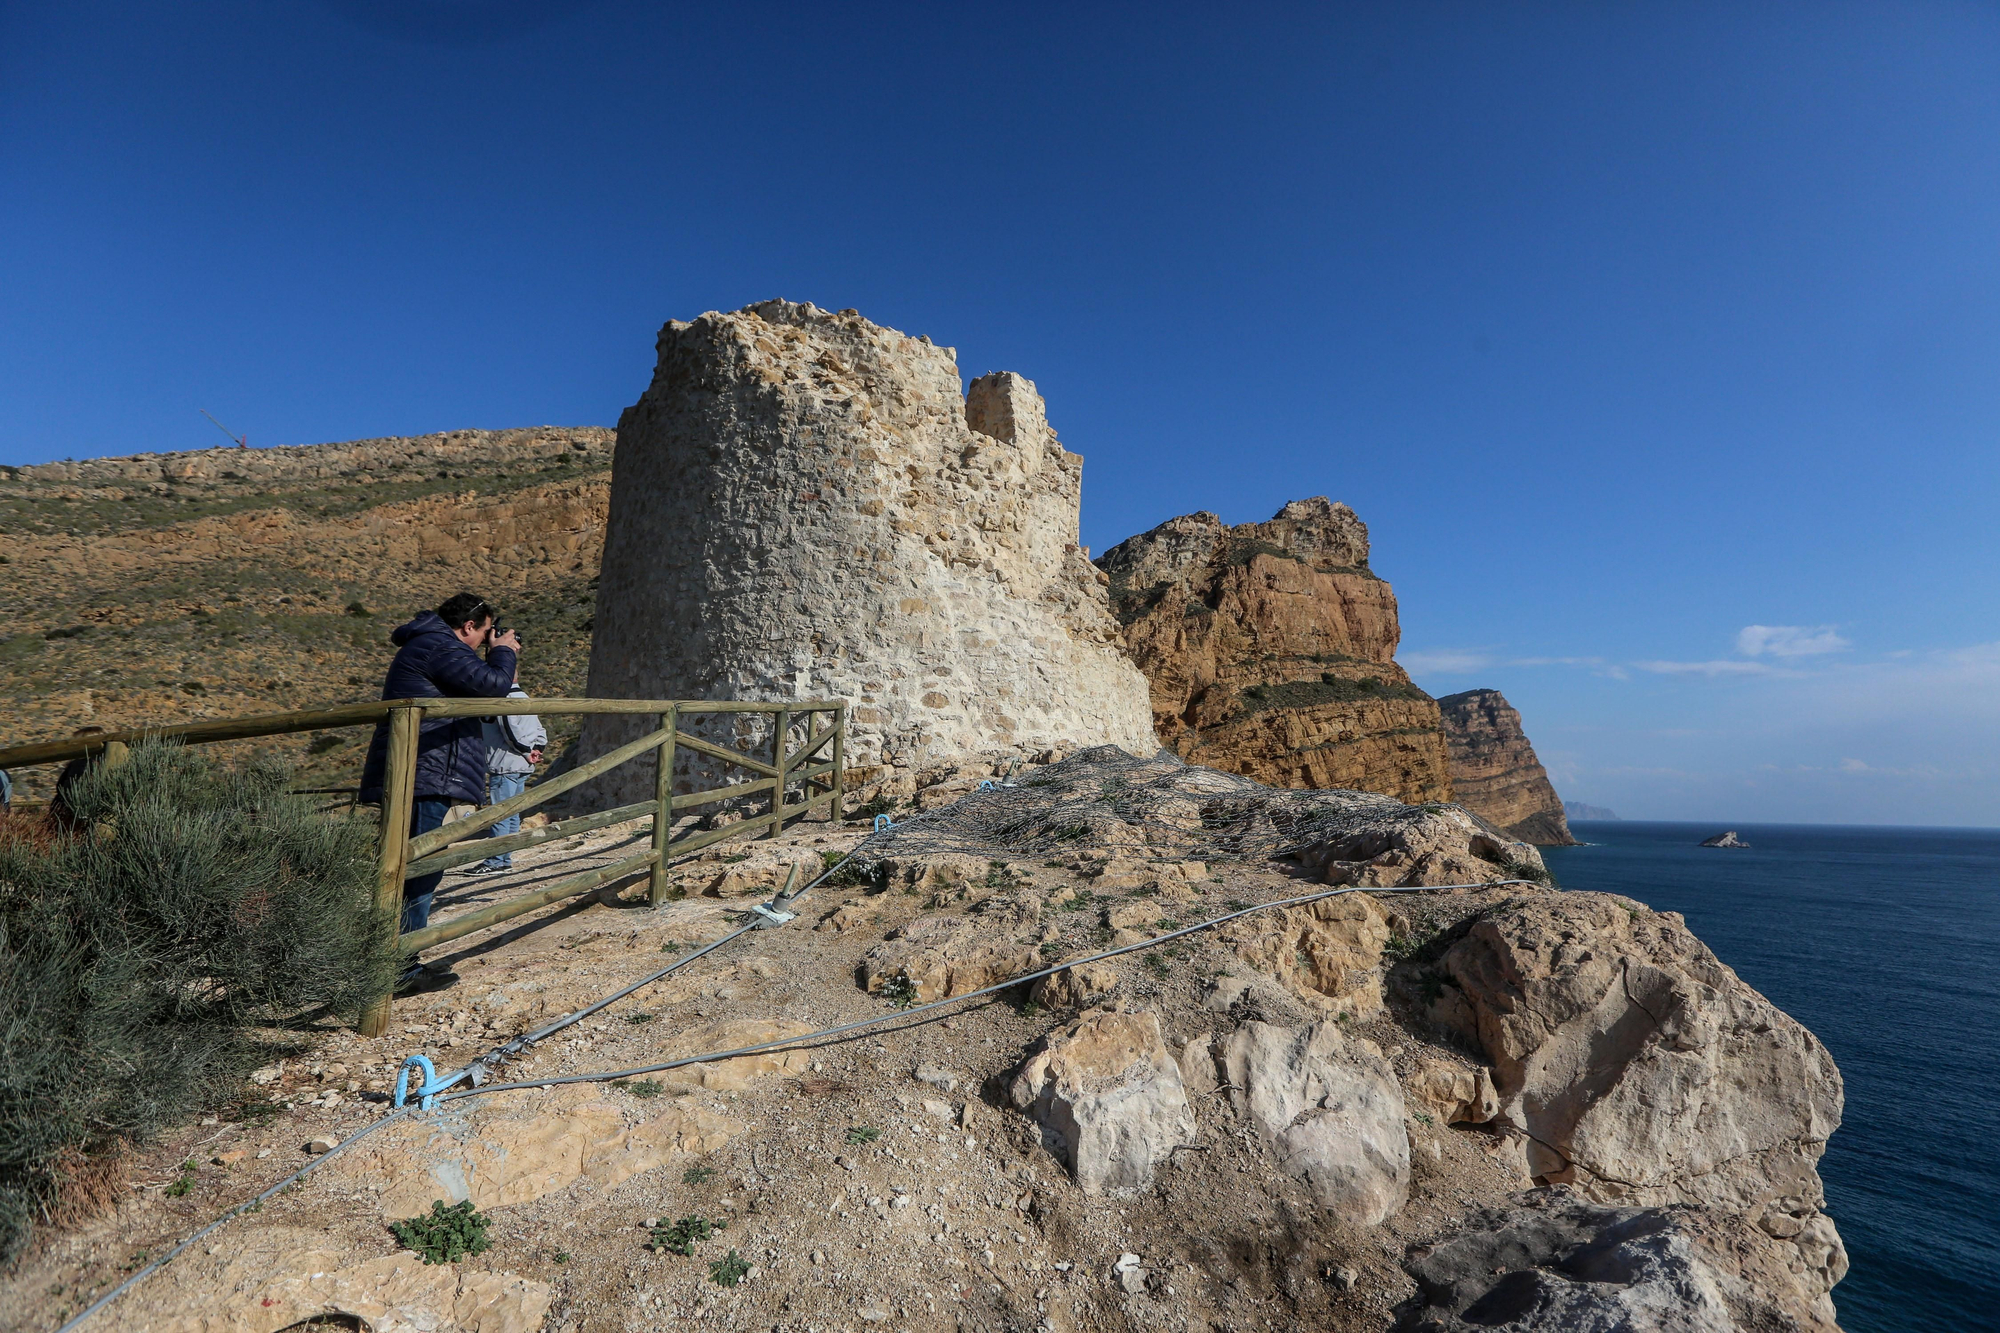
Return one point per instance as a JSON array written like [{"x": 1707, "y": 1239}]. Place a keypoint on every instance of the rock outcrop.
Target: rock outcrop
[
  {"x": 1270, "y": 650},
  {"x": 1641, "y": 1070},
  {"x": 1330, "y": 1109},
  {"x": 1109, "y": 1092},
  {"x": 805, "y": 505},
  {"x": 1494, "y": 772},
  {"x": 1728, "y": 839},
  {"x": 1554, "y": 1264}
]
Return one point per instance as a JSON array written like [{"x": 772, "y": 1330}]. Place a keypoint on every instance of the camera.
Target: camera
[{"x": 498, "y": 630}]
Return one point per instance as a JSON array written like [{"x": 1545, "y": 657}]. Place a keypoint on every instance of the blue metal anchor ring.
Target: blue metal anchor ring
[
  {"x": 883, "y": 822},
  {"x": 427, "y": 1091},
  {"x": 989, "y": 785}
]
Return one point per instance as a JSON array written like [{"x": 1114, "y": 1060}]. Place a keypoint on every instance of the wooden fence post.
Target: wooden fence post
[
  {"x": 399, "y": 780},
  {"x": 116, "y": 753},
  {"x": 663, "y": 818},
  {"x": 839, "y": 763},
  {"x": 778, "y": 783}
]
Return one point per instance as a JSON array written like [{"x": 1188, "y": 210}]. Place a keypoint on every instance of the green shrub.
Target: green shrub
[
  {"x": 728, "y": 1270},
  {"x": 446, "y": 1234},
  {"x": 681, "y": 1237},
  {"x": 140, "y": 956}
]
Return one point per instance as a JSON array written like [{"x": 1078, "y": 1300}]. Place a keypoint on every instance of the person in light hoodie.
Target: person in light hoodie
[{"x": 513, "y": 748}]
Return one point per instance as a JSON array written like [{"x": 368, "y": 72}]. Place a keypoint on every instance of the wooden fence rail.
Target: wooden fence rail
[{"x": 401, "y": 856}]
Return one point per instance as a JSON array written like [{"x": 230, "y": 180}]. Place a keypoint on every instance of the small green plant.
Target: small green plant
[
  {"x": 1158, "y": 966},
  {"x": 1029, "y": 1009},
  {"x": 1238, "y": 905},
  {"x": 732, "y": 860},
  {"x": 1070, "y": 832},
  {"x": 1050, "y": 951},
  {"x": 636, "y": 1019},
  {"x": 1078, "y": 903},
  {"x": 181, "y": 1186},
  {"x": 860, "y": 1136},
  {"x": 562, "y": 1256},
  {"x": 446, "y": 1234},
  {"x": 697, "y": 1175},
  {"x": 641, "y": 1088},
  {"x": 1144, "y": 891},
  {"x": 875, "y": 805},
  {"x": 1423, "y": 1117},
  {"x": 900, "y": 991},
  {"x": 1411, "y": 943},
  {"x": 357, "y": 610},
  {"x": 681, "y": 1237},
  {"x": 728, "y": 1270},
  {"x": 671, "y": 946},
  {"x": 1512, "y": 869}
]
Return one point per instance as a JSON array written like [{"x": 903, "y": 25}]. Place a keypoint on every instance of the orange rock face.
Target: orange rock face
[
  {"x": 1270, "y": 649},
  {"x": 1494, "y": 770}
]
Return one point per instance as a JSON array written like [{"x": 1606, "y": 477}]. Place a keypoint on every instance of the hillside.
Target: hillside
[{"x": 222, "y": 582}]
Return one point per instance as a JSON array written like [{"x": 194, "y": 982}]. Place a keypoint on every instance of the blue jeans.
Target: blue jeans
[
  {"x": 428, "y": 814},
  {"x": 504, "y": 787}
]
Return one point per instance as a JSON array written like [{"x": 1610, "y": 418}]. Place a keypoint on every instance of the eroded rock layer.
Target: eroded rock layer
[
  {"x": 1494, "y": 772},
  {"x": 1270, "y": 651},
  {"x": 804, "y": 505}
]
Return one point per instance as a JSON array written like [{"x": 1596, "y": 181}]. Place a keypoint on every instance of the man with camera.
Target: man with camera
[{"x": 438, "y": 656}]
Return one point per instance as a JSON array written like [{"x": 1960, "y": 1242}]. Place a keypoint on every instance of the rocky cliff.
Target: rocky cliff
[
  {"x": 1435, "y": 1103},
  {"x": 1270, "y": 651},
  {"x": 805, "y": 505},
  {"x": 1494, "y": 772}
]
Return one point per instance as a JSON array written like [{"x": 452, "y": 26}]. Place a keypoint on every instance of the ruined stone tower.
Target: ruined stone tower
[{"x": 804, "y": 506}]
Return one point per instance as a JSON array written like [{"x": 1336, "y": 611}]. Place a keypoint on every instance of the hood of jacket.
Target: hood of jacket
[{"x": 430, "y": 622}]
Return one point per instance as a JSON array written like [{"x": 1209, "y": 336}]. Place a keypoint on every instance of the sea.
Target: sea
[{"x": 1886, "y": 943}]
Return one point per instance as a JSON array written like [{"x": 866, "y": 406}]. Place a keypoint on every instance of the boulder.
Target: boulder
[
  {"x": 945, "y": 956},
  {"x": 1076, "y": 987},
  {"x": 1446, "y": 845},
  {"x": 1642, "y": 1069},
  {"x": 1328, "y": 953},
  {"x": 1453, "y": 1093},
  {"x": 1330, "y": 1108},
  {"x": 1556, "y": 1264},
  {"x": 1109, "y": 1094}
]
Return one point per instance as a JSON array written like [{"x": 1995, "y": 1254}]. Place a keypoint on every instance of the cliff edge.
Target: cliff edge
[
  {"x": 1494, "y": 772},
  {"x": 1270, "y": 651}
]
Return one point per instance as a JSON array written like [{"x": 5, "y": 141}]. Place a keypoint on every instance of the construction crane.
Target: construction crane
[{"x": 242, "y": 441}]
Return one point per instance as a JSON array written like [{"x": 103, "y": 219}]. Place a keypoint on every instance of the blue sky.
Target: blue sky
[{"x": 1627, "y": 328}]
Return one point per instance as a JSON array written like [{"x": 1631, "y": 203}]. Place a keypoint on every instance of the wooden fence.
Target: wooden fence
[{"x": 402, "y": 856}]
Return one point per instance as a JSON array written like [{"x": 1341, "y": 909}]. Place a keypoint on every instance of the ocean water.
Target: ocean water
[{"x": 1886, "y": 943}]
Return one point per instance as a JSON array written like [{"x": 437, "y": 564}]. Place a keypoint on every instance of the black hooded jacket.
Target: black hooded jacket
[{"x": 431, "y": 663}]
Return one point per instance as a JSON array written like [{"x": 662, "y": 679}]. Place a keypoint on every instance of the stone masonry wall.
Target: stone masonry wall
[{"x": 804, "y": 505}]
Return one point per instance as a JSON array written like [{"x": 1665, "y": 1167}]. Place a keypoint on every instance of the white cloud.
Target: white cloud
[
  {"x": 1722, "y": 668},
  {"x": 1788, "y": 640},
  {"x": 1446, "y": 662}
]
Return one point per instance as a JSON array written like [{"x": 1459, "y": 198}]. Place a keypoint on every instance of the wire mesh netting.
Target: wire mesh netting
[{"x": 1107, "y": 801}]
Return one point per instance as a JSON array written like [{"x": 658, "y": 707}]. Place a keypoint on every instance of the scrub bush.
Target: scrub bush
[{"x": 146, "y": 953}]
